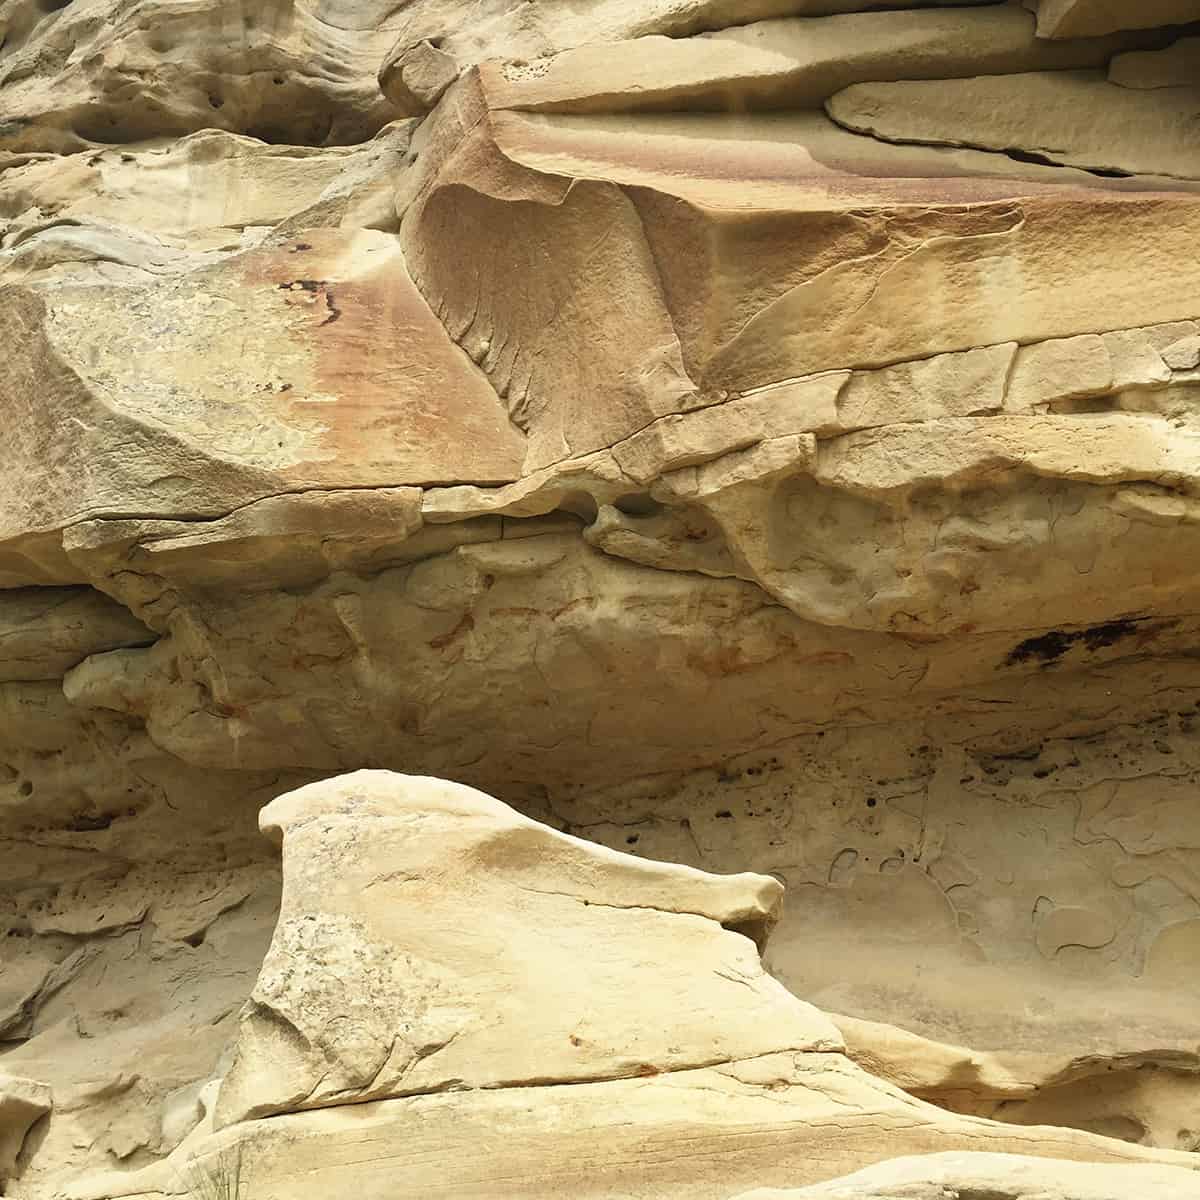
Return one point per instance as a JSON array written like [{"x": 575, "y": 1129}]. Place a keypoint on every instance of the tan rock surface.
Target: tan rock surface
[
  {"x": 1080, "y": 119},
  {"x": 1088, "y": 18},
  {"x": 1176, "y": 66},
  {"x": 133, "y": 69},
  {"x": 46, "y": 631},
  {"x": 717, "y": 484},
  {"x": 994, "y": 1176},
  {"x": 432, "y": 939},
  {"x": 22, "y": 1103},
  {"x": 435, "y": 947},
  {"x": 730, "y": 330},
  {"x": 508, "y": 29},
  {"x": 772, "y": 1119},
  {"x": 1135, "y": 1096},
  {"x": 325, "y": 333},
  {"x": 202, "y": 191},
  {"x": 785, "y": 63}
]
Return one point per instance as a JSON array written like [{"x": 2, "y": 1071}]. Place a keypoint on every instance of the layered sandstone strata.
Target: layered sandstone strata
[{"x": 761, "y": 437}]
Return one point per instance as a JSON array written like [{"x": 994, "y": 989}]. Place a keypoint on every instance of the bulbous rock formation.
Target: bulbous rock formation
[
  {"x": 991, "y": 1177},
  {"x": 759, "y": 436}
]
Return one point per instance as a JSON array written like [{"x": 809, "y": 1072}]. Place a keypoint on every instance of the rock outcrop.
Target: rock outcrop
[
  {"x": 992, "y": 1177},
  {"x": 547, "y": 1011},
  {"x": 22, "y": 1103},
  {"x": 760, "y": 436}
]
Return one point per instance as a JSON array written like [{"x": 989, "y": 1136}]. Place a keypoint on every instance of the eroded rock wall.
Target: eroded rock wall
[{"x": 756, "y": 437}]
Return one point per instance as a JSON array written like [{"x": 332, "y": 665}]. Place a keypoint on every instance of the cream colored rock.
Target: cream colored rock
[
  {"x": 970, "y": 384},
  {"x": 53, "y": 251},
  {"x": 1047, "y": 374},
  {"x": 23, "y": 1102},
  {"x": 936, "y": 1070},
  {"x": 411, "y": 905},
  {"x": 506, "y": 29},
  {"x": 707, "y": 1134},
  {"x": 413, "y": 77},
  {"x": 44, "y": 632},
  {"x": 1183, "y": 355},
  {"x": 720, "y": 485},
  {"x": 919, "y": 881},
  {"x": 424, "y": 952},
  {"x": 1128, "y": 131},
  {"x": 123, "y": 1020},
  {"x": 995, "y": 1176},
  {"x": 700, "y": 326},
  {"x": 686, "y": 439},
  {"x": 292, "y": 539},
  {"x": 148, "y": 398},
  {"x": 1175, "y": 953},
  {"x": 200, "y": 191},
  {"x": 896, "y": 917},
  {"x": 1140, "y": 1097}
]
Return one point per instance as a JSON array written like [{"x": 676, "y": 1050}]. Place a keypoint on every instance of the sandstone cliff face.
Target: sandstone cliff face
[{"x": 759, "y": 437}]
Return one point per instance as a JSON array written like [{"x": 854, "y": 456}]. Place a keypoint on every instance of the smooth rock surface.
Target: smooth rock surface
[
  {"x": 552, "y": 1043},
  {"x": 1176, "y": 66},
  {"x": 994, "y": 1177},
  {"x": 127, "y": 70},
  {"x": 509, "y": 29}
]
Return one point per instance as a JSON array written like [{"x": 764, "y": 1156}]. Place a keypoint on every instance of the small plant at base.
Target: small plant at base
[{"x": 216, "y": 1179}]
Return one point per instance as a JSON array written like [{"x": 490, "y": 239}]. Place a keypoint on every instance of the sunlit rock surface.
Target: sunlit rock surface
[
  {"x": 559, "y": 1018},
  {"x": 762, "y": 437}
]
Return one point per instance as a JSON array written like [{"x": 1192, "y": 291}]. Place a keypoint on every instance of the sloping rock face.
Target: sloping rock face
[
  {"x": 991, "y": 1177},
  {"x": 443, "y": 964},
  {"x": 762, "y": 437}
]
